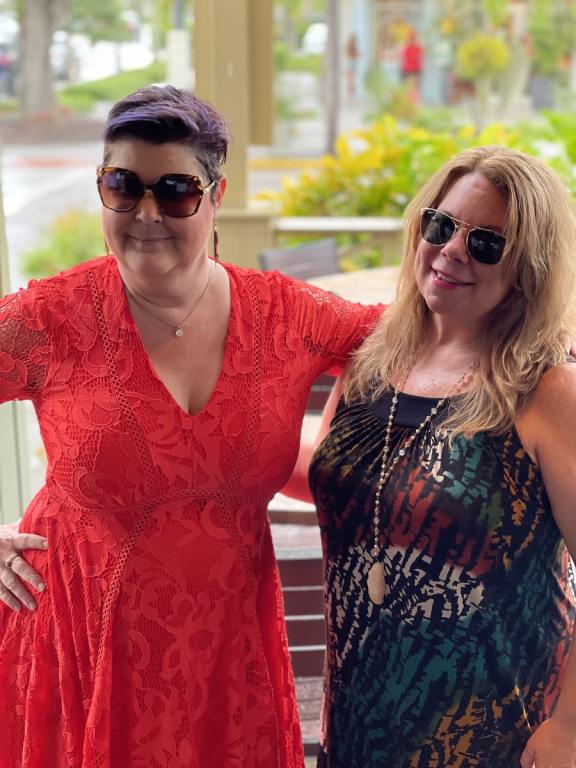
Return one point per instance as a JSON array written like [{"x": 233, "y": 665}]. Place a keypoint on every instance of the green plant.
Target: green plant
[
  {"x": 552, "y": 31},
  {"x": 387, "y": 98},
  {"x": 561, "y": 131},
  {"x": 441, "y": 119},
  {"x": 288, "y": 60},
  {"x": 8, "y": 106},
  {"x": 481, "y": 56},
  {"x": 285, "y": 110},
  {"x": 71, "y": 239},
  {"x": 76, "y": 102}
]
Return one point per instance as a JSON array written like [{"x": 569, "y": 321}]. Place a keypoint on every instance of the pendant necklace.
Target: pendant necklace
[
  {"x": 177, "y": 329},
  {"x": 376, "y": 574}
]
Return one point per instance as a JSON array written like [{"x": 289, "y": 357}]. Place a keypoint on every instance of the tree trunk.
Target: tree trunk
[
  {"x": 39, "y": 20},
  {"x": 332, "y": 65}
]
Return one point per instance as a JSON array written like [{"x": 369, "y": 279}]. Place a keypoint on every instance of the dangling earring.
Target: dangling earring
[{"x": 215, "y": 247}]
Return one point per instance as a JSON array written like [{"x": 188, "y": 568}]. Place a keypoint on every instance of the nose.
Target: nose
[
  {"x": 147, "y": 209},
  {"x": 455, "y": 249}
]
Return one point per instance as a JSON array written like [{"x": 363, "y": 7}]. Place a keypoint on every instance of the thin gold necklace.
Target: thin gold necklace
[
  {"x": 377, "y": 574},
  {"x": 177, "y": 329}
]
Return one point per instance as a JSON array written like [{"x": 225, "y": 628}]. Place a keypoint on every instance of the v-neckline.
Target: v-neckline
[{"x": 131, "y": 324}]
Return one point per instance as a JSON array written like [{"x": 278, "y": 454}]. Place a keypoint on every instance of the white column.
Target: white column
[{"x": 13, "y": 463}]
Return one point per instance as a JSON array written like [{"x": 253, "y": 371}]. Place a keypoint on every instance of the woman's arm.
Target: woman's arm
[
  {"x": 550, "y": 428},
  {"x": 297, "y": 487},
  {"x": 25, "y": 356}
]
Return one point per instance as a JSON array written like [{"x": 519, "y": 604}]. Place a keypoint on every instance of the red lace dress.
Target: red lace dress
[{"x": 159, "y": 642}]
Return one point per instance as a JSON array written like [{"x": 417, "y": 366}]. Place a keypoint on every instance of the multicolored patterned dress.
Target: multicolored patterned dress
[{"x": 462, "y": 660}]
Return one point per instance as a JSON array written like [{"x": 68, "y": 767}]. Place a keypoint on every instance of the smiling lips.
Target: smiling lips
[
  {"x": 447, "y": 280},
  {"x": 149, "y": 239}
]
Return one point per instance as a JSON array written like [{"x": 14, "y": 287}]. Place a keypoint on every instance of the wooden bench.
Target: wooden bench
[
  {"x": 311, "y": 259},
  {"x": 373, "y": 225},
  {"x": 385, "y": 231}
]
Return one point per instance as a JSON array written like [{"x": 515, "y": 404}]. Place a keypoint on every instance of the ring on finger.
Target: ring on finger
[{"x": 9, "y": 562}]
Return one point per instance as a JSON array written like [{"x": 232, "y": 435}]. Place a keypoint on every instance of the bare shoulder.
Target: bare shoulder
[
  {"x": 550, "y": 415},
  {"x": 555, "y": 396}
]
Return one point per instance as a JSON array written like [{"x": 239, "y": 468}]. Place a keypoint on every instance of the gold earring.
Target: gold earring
[{"x": 215, "y": 246}]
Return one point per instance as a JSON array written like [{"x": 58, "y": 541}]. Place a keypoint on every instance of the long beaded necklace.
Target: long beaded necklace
[
  {"x": 377, "y": 574},
  {"x": 177, "y": 329}
]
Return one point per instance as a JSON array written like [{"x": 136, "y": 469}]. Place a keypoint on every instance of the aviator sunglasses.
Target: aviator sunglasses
[
  {"x": 483, "y": 245},
  {"x": 177, "y": 194}
]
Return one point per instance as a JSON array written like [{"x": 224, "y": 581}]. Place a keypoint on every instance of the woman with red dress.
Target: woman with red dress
[{"x": 170, "y": 390}]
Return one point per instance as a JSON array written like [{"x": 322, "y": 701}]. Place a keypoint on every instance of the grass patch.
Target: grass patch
[{"x": 81, "y": 97}]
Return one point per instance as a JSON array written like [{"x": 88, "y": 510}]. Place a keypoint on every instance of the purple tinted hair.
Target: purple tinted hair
[{"x": 160, "y": 114}]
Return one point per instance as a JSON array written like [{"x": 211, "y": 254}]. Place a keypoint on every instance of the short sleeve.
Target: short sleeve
[
  {"x": 24, "y": 344},
  {"x": 330, "y": 326}
]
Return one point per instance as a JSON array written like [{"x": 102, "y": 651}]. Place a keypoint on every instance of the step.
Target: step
[
  {"x": 301, "y": 571},
  {"x": 303, "y": 600},
  {"x": 306, "y": 630},
  {"x": 307, "y": 660}
]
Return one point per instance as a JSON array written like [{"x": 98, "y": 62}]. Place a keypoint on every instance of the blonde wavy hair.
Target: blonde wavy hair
[{"x": 526, "y": 334}]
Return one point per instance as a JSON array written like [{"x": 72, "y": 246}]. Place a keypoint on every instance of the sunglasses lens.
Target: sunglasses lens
[
  {"x": 178, "y": 195},
  {"x": 120, "y": 190},
  {"x": 485, "y": 246},
  {"x": 436, "y": 228}
]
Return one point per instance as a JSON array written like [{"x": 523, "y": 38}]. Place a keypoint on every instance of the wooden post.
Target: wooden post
[{"x": 233, "y": 67}]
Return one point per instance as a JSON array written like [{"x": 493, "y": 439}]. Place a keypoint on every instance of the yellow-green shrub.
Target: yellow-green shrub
[
  {"x": 482, "y": 56},
  {"x": 376, "y": 170}
]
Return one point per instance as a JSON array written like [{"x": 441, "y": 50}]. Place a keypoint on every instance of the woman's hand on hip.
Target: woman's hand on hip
[
  {"x": 15, "y": 572},
  {"x": 552, "y": 745}
]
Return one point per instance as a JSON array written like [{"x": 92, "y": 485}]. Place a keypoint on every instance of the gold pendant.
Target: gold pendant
[{"x": 376, "y": 583}]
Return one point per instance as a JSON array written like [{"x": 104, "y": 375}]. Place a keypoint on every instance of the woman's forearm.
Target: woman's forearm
[{"x": 297, "y": 487}]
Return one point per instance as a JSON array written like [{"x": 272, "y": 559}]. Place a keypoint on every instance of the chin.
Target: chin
[
  {"x": 441, "y": 309},
  {"x": 437, "y": 306},
  {"x": 145, "y": 263}
]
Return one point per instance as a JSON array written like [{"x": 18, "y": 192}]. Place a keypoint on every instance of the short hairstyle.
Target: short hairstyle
[
  {"x": 161, "y": 114},
  {"x": 526, "y": 333}
]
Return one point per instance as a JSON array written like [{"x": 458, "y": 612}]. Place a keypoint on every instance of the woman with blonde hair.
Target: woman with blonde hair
[{"x": 446, "y": 488}]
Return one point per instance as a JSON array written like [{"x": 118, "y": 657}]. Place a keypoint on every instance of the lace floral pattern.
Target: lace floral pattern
[{"x": 160, "y": 640}]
